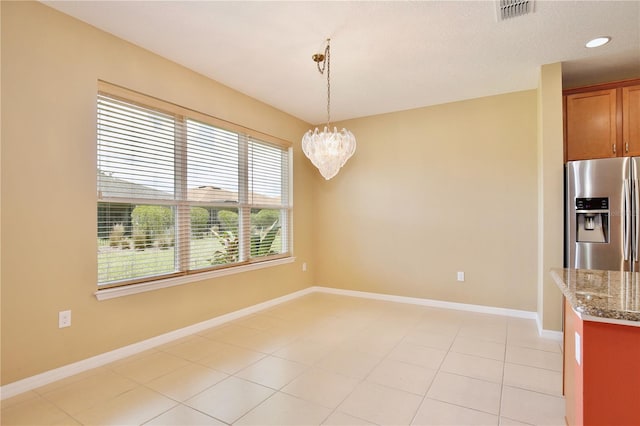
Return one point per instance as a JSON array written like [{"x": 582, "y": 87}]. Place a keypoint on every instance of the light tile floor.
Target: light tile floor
[{"x": 321, "y": 359}]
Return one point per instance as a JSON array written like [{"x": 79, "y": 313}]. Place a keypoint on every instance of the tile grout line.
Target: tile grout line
[
  {"x": 504, "y": 366},
  {"x": 364, "y": 379},
  {"x": 360, "y": 381},
  {"x": 435, "y": 376}
]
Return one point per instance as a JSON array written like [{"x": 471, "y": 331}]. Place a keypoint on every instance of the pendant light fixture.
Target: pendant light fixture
[{"x": 328, "y": 150}]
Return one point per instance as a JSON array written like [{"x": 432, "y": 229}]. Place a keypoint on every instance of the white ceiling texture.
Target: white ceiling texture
[{"x": 385, "y": 55}]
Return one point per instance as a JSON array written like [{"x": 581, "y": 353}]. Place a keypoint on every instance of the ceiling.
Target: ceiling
[{"x": 385, "y": 55}]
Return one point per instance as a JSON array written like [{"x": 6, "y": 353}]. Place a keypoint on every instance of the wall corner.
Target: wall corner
[{"x": 550, "y": 194}]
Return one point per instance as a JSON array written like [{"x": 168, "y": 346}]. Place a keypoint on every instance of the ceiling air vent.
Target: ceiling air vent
[{"x": 512, "y": 8}]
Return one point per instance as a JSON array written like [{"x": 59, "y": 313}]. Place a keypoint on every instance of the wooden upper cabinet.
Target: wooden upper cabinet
[
  {"x": 591, "y": 125},
  {"x": 602, "y": 121},
  {"x": 631, "y": 120}
]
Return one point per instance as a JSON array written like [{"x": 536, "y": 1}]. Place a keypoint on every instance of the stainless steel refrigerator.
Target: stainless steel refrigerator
[{"x": 602, "y": 214}]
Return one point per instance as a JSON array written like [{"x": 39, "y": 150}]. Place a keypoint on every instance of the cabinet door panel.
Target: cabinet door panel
[
  {"x": 631, "y": 119},
  {"x": 591, "y": 125}
]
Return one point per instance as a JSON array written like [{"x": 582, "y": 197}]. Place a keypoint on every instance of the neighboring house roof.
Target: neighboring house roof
[
  {"x": 211, "y": 194},
  {"x": 112, "y": 187},
  {"x": 214, "y": 194}
]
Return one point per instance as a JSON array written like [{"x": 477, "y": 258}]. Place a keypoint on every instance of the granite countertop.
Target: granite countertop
[{"x": 606, "y": 296}]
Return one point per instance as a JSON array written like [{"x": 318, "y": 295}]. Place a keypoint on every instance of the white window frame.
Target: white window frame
[{"x": 244, "y": 206}]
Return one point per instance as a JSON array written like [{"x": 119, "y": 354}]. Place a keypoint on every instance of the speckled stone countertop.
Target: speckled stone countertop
[{"x": 606, "y": 296}]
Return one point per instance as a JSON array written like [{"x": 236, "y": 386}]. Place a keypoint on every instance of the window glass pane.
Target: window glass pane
[
  {"x": 214, "y": 237},
  {"x": 212, "y": 163},
  {"x": 135, "y": 151},
  {"x": 135, "y": 241},
  {"x": 266, "y": 231},
  {"x": 177, "y": 195},
  {"x": 225, "y": 243},
  {"x": 268, "y": 176}
]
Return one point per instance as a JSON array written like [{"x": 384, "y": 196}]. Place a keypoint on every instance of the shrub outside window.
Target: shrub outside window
[{"x": 180, "y": 192}]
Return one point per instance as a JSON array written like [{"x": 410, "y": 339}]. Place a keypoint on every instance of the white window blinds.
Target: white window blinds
[{"x": 178, "y": 193}]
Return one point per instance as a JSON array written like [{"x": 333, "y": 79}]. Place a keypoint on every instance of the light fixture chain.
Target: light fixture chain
[{"x": 328, "y": 58}]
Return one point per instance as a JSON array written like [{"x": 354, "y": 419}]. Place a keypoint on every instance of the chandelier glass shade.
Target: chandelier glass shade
[{"x": 328, "y": 150}]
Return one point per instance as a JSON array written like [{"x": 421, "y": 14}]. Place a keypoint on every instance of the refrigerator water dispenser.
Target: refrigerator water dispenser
[{"x": 592, "y": 220}]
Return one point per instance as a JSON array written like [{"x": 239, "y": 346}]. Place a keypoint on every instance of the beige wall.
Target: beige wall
[
  {"x": 550, "y": 194},
  {"x": 429, "y": 192},
  {"x": 433, "y": 191},
  {"x": 50, "y": 67}
]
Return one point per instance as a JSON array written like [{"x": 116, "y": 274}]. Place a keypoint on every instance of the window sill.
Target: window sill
[{"x": 111, "y": 293}]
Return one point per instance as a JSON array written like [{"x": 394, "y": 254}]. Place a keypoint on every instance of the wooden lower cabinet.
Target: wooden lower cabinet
[{"x": 601, "y": 372}]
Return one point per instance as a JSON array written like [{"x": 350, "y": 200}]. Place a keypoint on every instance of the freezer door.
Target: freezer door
[{"x": 599, "y": 219}]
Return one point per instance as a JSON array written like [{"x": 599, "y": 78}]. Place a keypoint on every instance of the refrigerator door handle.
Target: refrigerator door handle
[
  {"x": 627, "y": 220},
  {"x": 636, "y": 220}
]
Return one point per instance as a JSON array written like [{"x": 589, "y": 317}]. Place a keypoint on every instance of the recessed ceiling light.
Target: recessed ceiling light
[{"x": 597, "y": 42}]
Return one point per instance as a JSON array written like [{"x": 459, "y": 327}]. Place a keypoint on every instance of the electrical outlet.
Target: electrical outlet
[
  {"x": 64, "y": 319},
  {"x": 460, "y": 276},
  {"x": 304, "y": 267}
]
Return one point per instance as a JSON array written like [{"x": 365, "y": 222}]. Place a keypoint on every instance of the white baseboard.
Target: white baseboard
[
  {"x": 547, "y": 334},
  {"x": 50, "y": 376},
  {"x": 551, "y": 334},
  {"x": 431, "y": 303}
]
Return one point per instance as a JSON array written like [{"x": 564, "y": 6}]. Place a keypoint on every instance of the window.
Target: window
[{"x": 180, "y": 192}]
